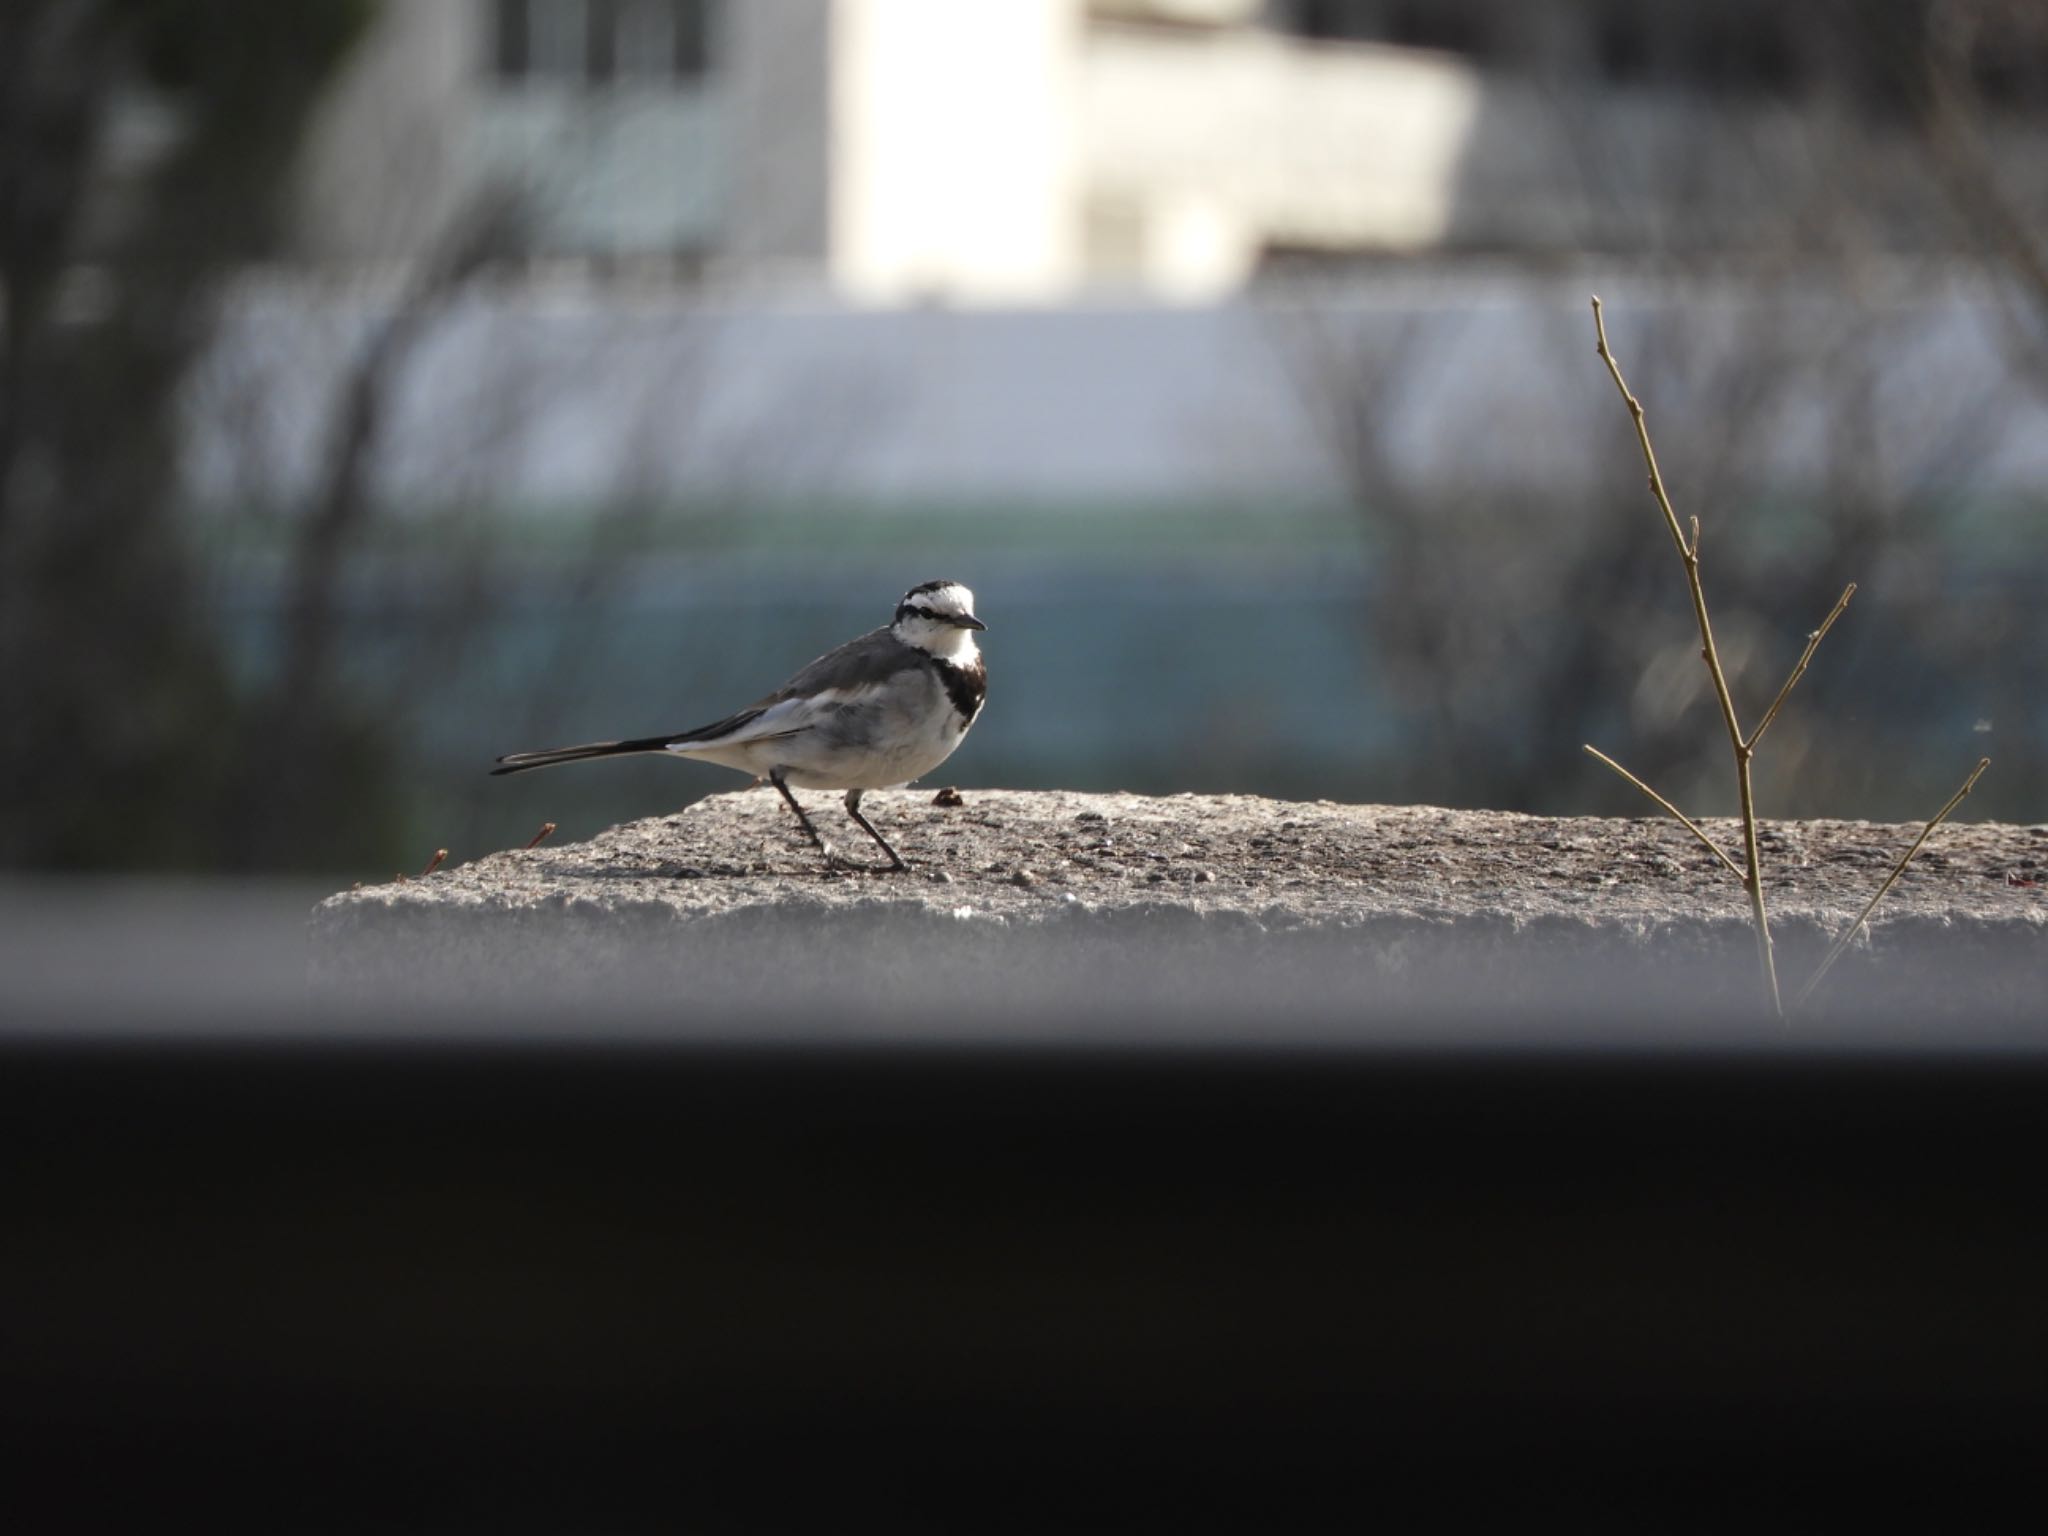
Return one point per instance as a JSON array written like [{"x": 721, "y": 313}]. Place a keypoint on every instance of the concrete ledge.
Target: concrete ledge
[{"x": 1208, "y": 916}]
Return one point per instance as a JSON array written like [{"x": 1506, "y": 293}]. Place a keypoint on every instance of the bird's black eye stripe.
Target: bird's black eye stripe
[{"x": 906, "y": 611}]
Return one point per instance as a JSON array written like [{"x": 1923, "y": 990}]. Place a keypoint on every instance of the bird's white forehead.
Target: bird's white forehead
[{"x": 952, "y": 598}]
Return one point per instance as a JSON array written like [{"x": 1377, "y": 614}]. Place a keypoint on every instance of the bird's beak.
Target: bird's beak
[{"x": 969, "y": 621}]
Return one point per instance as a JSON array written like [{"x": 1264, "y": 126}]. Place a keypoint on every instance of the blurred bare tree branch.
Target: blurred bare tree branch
[
  {"x": 288, "y": 794},
  {"x": 1995, "y": 218},
  {"x": 118, "y": 727},
  {"x": 1820, "y": 233}
]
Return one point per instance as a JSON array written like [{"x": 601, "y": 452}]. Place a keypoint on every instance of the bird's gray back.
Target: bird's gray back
[{"x": 874, "y": 658}]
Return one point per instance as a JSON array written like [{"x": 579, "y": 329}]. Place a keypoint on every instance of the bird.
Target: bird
[{"x": 876, "y": 713}]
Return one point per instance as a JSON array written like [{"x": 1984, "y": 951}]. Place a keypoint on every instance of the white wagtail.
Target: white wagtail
[{"x": 874, "y": 714}]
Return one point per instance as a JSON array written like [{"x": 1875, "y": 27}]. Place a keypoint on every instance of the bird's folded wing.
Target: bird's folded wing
[
  {"x": 733, "y": 729},
  {"x": 770, "y": 720},
  {"x": 781, "y": 718},
  {"x": 847, "y": 678}
]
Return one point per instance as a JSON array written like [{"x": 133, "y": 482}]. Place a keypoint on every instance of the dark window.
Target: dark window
[
  {"x": 1317, "y": 18},
  {"x": 1433, "y": 24},
  {"x": 1774, "y": 64},
  {"x": 1338, "y": 20},
  {"x": 2009, "y": 63},
  {"x": 693, "y": 40},
  {"x": 512, "y": 55},
  {"x": 1621, "y": 45},
  {"x": 600, "y": 39},
  {"x": 1746, "y": 52},
  {"x": 594, "y": 42}
]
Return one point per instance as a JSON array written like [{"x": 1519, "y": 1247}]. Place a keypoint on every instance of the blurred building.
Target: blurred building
[
  {"x": 985, "y": 247},
  {"x": 1031, "y": 150},
  {"x": 609, "y": 341}
]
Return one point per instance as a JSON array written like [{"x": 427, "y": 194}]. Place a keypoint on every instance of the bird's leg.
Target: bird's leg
[
  {"x": 775, "y": 777},
  {"x": 853, "y": 810}
]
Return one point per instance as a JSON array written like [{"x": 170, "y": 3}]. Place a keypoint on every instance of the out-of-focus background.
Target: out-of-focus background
[{"x": 387, "y": 386}]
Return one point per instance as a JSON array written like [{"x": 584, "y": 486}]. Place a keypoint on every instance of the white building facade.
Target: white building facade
[
  {"x": 887, "y": 151},
  {"x": 1038, "y": 151}
]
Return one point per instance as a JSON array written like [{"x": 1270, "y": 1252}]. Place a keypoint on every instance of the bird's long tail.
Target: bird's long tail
[{"x": 519, "y": 762}]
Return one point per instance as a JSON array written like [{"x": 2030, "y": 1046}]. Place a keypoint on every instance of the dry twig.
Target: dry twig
[
  {"x": 1690, "y": 825},
  {"x": 1849, "y": 933},
  {"x": 1743, "y": 749},
  {"x": 1744, "y": 746},
  {"x": 1812, "y": 644}
]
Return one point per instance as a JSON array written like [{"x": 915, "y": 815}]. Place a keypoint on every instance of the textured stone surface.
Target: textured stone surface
[{"x": 1245, "y": 912}]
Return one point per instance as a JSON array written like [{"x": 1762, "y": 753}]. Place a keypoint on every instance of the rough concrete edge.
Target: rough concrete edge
[{"x": 567, "y": 950}]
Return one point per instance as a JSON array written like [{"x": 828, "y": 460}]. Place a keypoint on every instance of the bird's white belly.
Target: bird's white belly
[
  {"x": 810, "y": 764},
  {"x": 813, "y": 759}
]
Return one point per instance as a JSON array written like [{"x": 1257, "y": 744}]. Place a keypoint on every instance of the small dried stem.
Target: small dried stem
[
  {"x": 1688, "y": 551},
  {"x": 434, "y": 863},
  {"x": 546, "y": 831},
  {"x": 1690, "y": 825},
  {"x": 1849, "y": 933},
  {"x": 1755, "y": 882},
  {"x": 1812, "y": 644}
]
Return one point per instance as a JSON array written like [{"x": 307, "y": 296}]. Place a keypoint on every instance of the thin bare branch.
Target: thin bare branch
[
  {"x": 1635, "y": 411},
  {"x": 1689, "y": 553},
  {"x": 1849, "y": 933},
  {"x": 1812, "y": 644},
  {"x": 1690, "y": 825}
]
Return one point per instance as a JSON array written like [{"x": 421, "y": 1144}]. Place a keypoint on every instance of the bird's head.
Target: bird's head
[{"x": 938, "y": 617}]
